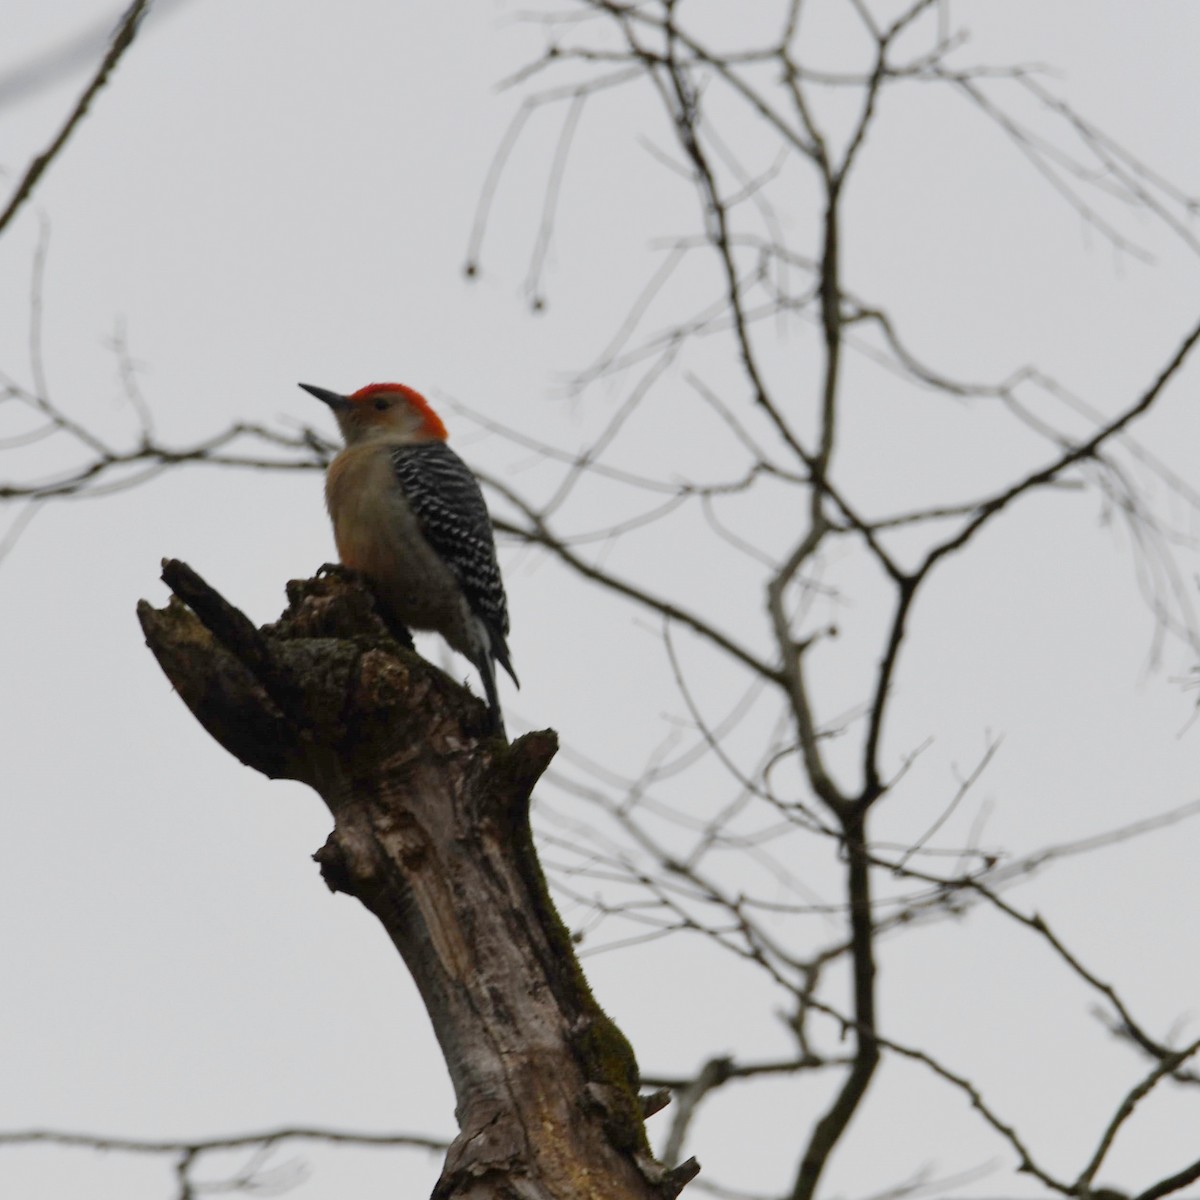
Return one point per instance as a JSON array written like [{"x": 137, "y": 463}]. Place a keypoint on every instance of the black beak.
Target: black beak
[{"x": 336, "y": 402}]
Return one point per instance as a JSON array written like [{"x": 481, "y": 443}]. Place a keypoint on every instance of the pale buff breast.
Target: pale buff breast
[{"x": 377, "y": 534}]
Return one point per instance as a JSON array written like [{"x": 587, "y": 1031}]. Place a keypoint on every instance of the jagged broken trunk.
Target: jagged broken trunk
[{"x": 431, "y": 833}]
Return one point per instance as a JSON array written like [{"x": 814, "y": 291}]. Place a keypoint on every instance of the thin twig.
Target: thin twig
[{"x": 122, "y": 40}]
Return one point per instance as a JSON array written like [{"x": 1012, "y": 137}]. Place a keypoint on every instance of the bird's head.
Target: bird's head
[{"x": 383, "y": 411}]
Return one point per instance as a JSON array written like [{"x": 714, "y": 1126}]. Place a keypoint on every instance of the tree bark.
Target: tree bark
[{"x": 431, "y": 833}]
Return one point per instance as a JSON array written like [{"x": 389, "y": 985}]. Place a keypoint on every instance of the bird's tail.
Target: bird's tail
[
  {"x": 500, "y": 654},
  {"x": 487, "y": 669},
  {"x": 488, "y": 649}
]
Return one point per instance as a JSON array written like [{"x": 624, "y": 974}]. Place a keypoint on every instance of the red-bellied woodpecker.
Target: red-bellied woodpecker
[{"x": 408, "y": 514}]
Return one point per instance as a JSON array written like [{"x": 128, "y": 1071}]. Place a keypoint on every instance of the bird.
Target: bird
[{"x": 409, "y": 516}]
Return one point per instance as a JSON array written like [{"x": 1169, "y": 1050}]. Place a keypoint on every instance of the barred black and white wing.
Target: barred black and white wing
[{"x": 449, "y": 507}]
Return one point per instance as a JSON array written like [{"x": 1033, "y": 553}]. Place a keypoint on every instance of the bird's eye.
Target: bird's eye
[{"x": 381, "y": 404}]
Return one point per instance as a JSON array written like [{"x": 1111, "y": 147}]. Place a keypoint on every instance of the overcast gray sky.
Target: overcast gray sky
[{"x": 284, "y": 191}]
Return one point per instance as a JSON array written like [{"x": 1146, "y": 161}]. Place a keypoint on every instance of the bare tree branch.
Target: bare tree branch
[{"x": 121, "y": 41}]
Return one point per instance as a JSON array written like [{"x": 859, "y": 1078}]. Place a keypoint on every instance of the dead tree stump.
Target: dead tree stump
[{"x": 431, "y": 833}]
